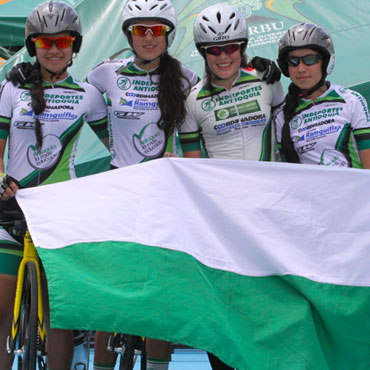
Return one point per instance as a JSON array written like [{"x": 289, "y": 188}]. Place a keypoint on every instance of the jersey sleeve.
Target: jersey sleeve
[
  {"x": 189, "y": 132},
  {"x": 360, "y": 121},
  {"x": 96, "y": 116},
  {"x": 278, "y": 95},
  {"x": 96, "y": 77},
  {"x": 6, "y": 108}
]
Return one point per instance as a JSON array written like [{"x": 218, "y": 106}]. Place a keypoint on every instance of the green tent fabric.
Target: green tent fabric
[{"x": 347, "y": 22}]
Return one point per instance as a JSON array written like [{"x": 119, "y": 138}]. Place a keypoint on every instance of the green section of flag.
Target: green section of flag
[{"x": 254, "y": 323}]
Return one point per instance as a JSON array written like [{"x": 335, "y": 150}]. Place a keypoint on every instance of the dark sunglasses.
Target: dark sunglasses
[
  {"x": 217, "y": 50},
  {"x": 308, "y": 60}
]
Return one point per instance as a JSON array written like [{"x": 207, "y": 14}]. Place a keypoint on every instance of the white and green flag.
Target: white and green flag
[{"x": 266, "y": 265}]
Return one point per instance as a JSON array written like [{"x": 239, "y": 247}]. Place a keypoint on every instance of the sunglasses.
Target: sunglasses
[
  {"x": 308, "y": 60},
  {"x": 155, "y": 29},
  {"x": 47, "y": 42},
  {"x": 227, "y": 49}
]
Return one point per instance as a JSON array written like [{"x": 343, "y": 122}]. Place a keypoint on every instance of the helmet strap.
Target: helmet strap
[
  {"x": 304, "y": 93},
  {"x": 59, "y": 73}
]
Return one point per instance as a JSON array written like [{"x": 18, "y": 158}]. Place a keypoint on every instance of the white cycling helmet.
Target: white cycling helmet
[
  {"x": 306, "y": 36},
  {"x": 220, "y": 23},
  {"x": 150, "y": 10},
  {"x": 52, "y": 17}
]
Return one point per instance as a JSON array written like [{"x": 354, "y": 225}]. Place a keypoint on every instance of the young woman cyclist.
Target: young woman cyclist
[
  {"x": 320, "y": 122},
  {"x": 231, "y": 108},
  {"x": 146, "y": 102},
  {"x": 42, "y": 121}
]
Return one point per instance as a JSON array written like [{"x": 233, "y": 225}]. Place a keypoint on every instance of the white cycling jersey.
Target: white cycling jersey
[
  {"x": 132, "y": 95},
  {"x": 235, "y": 123},
  {"x": 331, "y": 131},
  {"x": 68, "y": 104}
]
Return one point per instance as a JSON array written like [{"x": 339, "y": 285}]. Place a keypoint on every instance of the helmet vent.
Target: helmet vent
[
  {"x": 153, "y": 7},
  {"x": 212, "y": 30},
  {"x": 203, "y": 29},
  {"x": 62, "y": 16},
  {"x": 44, "y": 21},
  {"x": 232, "y": 16},
  {"x": 137, "y": 7},
  {"x": 227, "y": 28},
  {"x": 305, "y": 35},
  {"x": 236, "y": 24},
  {"x": 56, "y": 21},
  {"x": 218, "y": 15}
]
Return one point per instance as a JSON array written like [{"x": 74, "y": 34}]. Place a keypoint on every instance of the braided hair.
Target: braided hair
[{"x": 37, "y": 101}]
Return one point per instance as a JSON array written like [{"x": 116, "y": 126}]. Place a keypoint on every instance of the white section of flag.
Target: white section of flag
[{"x": 251, "y": 218}]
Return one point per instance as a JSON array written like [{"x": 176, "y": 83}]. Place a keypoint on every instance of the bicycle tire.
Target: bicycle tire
[
  {"x": 127, "y": 356},
  {"x": 28, "y": 319}
]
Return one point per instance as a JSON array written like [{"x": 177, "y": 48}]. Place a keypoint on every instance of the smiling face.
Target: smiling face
[
  {"x": 225, "y": 66},
  {"x": 303, "y": 76},
  {"x": 54, "y": 59},
  {"x": 149, "y": 47}
]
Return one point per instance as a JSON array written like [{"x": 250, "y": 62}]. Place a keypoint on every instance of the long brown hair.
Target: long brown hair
[
  {"x": 172, "y": 94},
  {"x": 37, "y": 101}
]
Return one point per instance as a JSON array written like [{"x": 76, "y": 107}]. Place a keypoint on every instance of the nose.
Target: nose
[
  {"x": 53, "y": 47},
  {"x": 301, "y": 66},
  {"x": 148, "y": 35}
]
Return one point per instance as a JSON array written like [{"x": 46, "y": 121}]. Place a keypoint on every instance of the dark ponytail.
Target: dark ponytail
[
  {"x": 37, "y": 100},
  {"x": 289, "y": 110},
  {"x": 172, "y": 94}
]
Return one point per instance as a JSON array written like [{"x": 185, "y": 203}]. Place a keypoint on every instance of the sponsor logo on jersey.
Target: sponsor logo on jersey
[
  {"x": 128, "y": 115},
  {"x": 150, "y": 141},
  {"x": 322, "y": 132},
  {"x": 123, "y": 83},
  {"x": 306, "y": 148},
  {"x": 225, "y": 127},
  {"x": 125, "y": 103},
  {"x": 25, "y": 96},
  {"x": 47, "y": 156},
  {"x": 61, "y": 98},
  {"x": 58, "y": 116},
  {"x": 64, "y": 107},
  {"x": 298, "y": 138},
  {"x": 141, "y": 96},
  {"x": 23, "y": 125},
  {"x": 25, "y": 112},
  {"x": 255, "y": 120},
  {"x": 330, "y": 157},
  {"x": 239, "y": 110},
  {"x": 309, "y": 127},
  {"x": 139, "y": 104},
  {"x": 297, "y": 122},
  {"x": 239, "y": 96},
  {"x": 208, "y": 105},
  {"x": 321, "y": 114}
]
